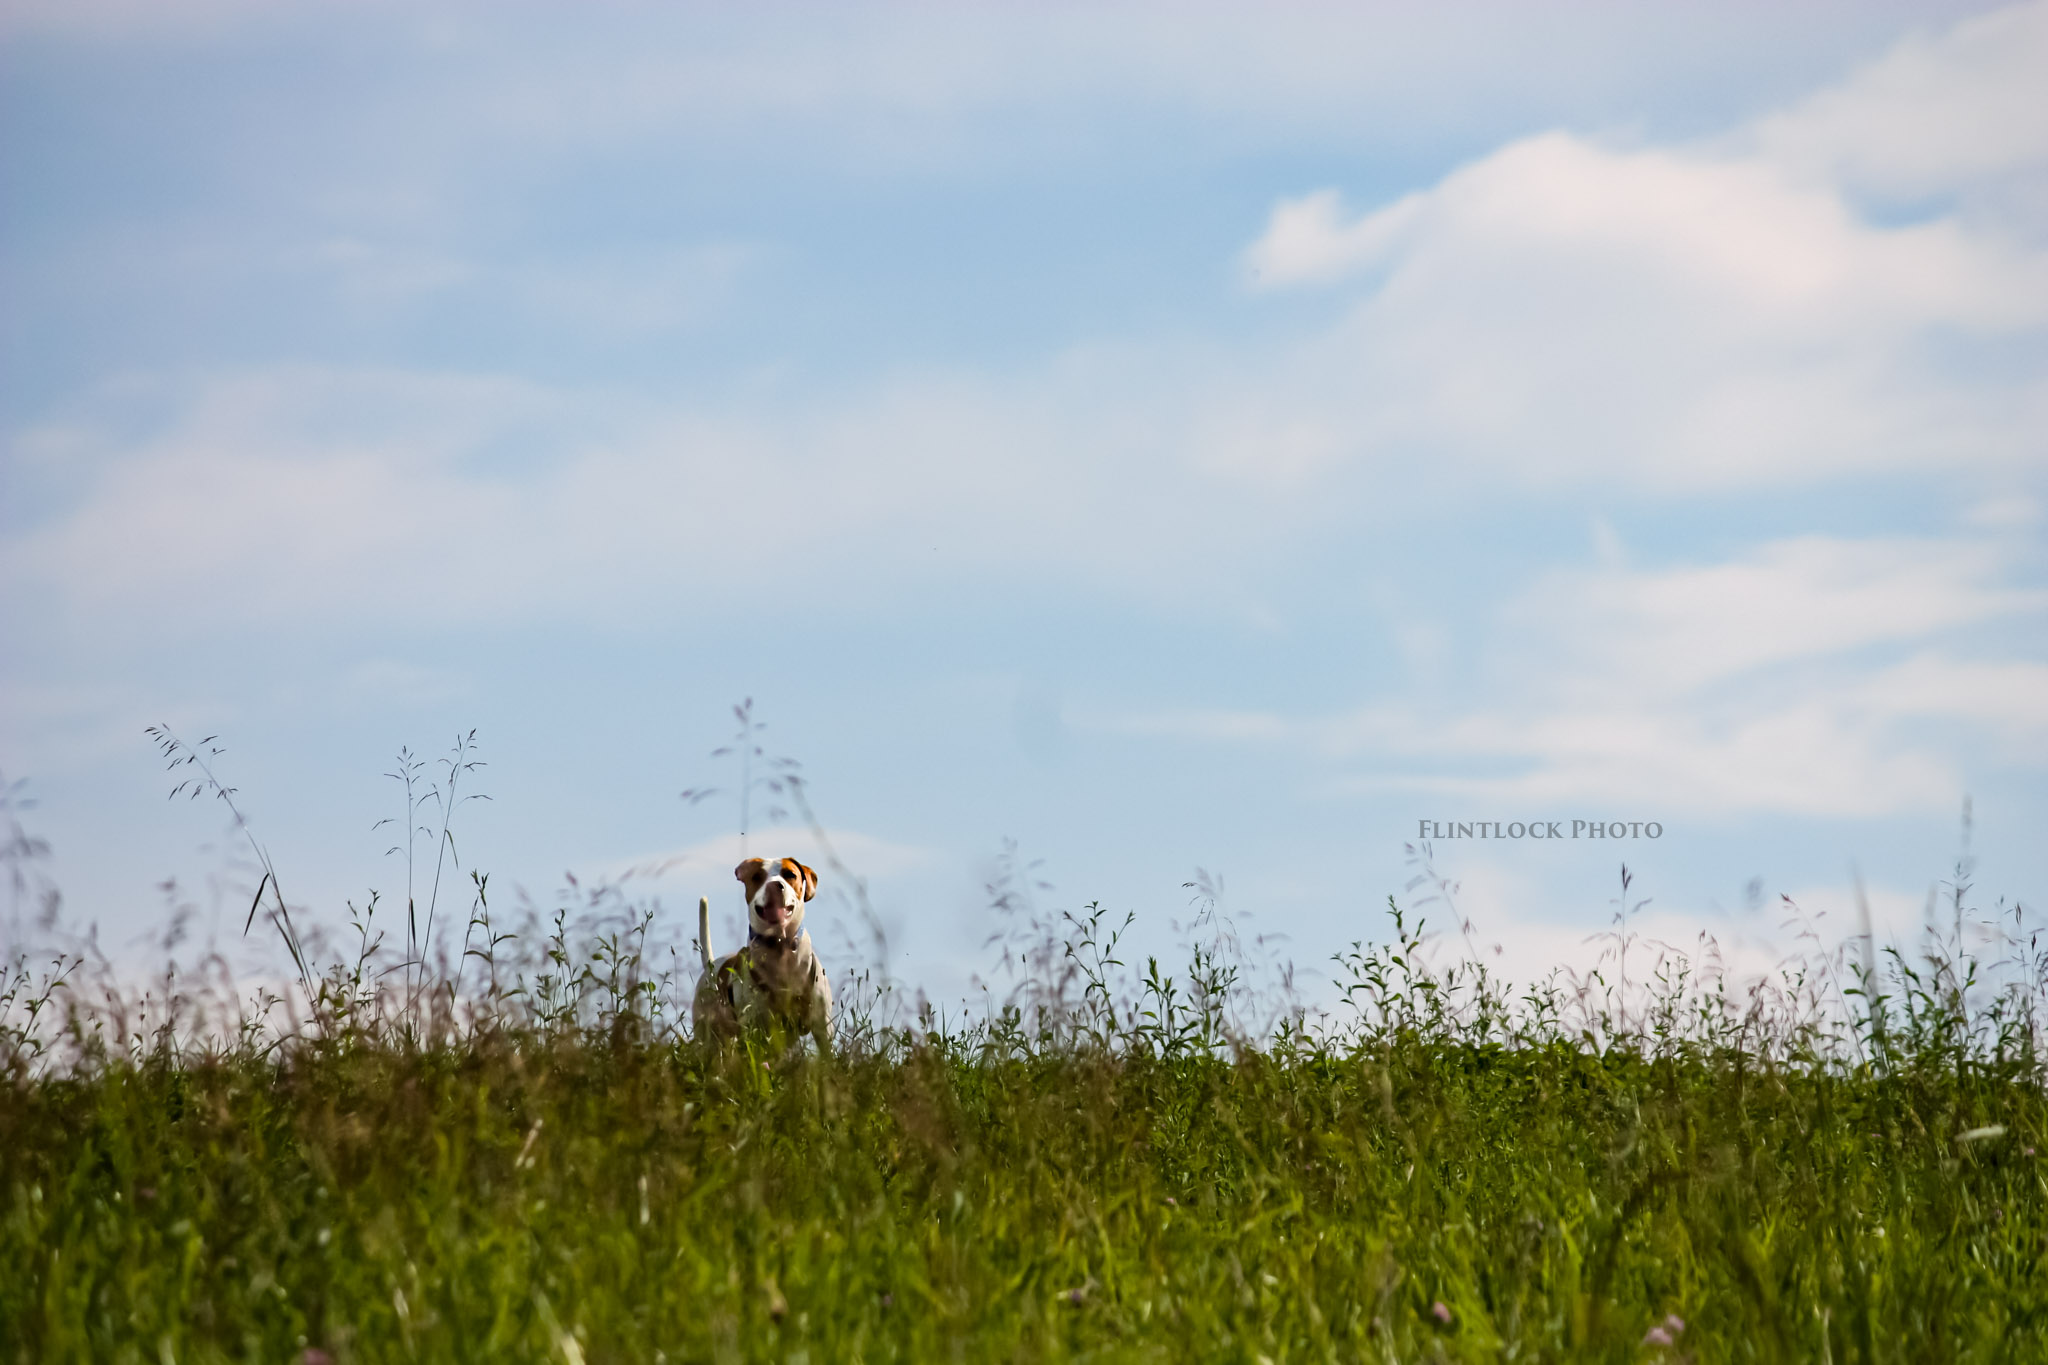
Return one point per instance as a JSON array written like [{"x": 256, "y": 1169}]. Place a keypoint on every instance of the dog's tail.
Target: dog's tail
[{"x": 704, "y": 929}]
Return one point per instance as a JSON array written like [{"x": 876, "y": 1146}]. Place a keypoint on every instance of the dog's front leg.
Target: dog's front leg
[{"x": 820, "y": 996}]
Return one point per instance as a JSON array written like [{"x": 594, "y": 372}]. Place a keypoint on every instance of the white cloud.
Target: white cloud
[
  {"x": 1565, "y": 310},
  {"x": 1939, "y": 114},
  {"x": 1306, "y": 240},
  {"x": 1702, "y": 227},
  {"x": 1626, "y": 635},
  {"x": 315, "y": 494},
  {"x": 2006, "y": 512},
  {"x": 1746, "y": 685},
  {"x": 1720, "y": 314},
  {"x": 2008, "y": 697}
]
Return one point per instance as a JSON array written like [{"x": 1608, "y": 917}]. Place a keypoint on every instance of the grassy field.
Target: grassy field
[{"x": 1100, "y": 1171}]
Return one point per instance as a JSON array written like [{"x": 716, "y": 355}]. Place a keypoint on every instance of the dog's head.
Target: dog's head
[{"x": 776, "y": 891}]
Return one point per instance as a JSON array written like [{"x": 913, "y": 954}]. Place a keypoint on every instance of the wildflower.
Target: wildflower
[
  {"x": 1440, "y": 1312},
  {"x": 1673, "y": 1323},
  {"x": 1656, "y": 1336},
  {"x": 1173, "y": 1203}
]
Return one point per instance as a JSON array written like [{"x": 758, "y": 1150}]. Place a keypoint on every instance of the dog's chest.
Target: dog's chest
[{"x": 778, "y": 980}]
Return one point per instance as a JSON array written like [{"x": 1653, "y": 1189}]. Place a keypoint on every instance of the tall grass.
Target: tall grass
[{"x": 530, "y": 1159}]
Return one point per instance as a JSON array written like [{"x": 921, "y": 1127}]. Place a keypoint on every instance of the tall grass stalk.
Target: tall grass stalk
[{"x": 194, "y": 764}]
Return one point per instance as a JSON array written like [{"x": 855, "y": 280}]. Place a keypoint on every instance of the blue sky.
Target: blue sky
[{"x": 1164, "y": 437}]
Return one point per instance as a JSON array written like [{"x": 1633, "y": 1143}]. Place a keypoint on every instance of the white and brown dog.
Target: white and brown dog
[{"x": 776, "y": 976}]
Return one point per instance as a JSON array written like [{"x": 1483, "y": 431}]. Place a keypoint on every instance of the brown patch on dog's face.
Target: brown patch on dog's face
[{"x": 776, "y": 891}]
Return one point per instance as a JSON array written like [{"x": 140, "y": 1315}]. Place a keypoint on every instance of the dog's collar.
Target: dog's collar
[{"x": 780, "y": 944}]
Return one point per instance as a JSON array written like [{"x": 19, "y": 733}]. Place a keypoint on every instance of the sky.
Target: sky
[{"x": 1148, "y": 440}]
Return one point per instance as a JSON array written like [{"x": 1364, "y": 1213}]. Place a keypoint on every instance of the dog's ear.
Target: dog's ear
[
  {"x": 810, "y": 880},
  {"x": 746, "y": 870}
]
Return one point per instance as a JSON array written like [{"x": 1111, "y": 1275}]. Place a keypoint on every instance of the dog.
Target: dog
[{"x": 776, "y": 977}]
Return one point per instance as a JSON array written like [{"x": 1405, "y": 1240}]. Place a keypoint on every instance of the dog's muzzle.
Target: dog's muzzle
[{"x": 775, "y": 902}]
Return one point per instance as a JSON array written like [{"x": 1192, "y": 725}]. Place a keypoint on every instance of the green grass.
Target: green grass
[{"x": 1101, "y": 1173}]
